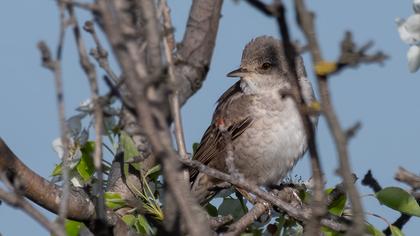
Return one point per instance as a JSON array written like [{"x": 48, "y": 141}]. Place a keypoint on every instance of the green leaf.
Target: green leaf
[
  {"x": 212, "y": 210},
  {"x": 57, "y": 170},
  {"x": 142, "y": 226},
  {"x": 73, "y": 227},
  {"x": 130, "y": 149},
  {"x": 85, "y": 167},
  {"x": 371, "y": 230},
  {"x": 231, "y": 206},
  {"x": 114, "y": 200},
  {"x": 338, "y": 205},
  {"x": 129, "y": 219},
  {"x": 153, "y": 173},
  {"x": 280, "y": 223},
  {"x": 399, "y": 199},
  {"x": 395, "y": 231},
  {"x": 329, "y": 232}
]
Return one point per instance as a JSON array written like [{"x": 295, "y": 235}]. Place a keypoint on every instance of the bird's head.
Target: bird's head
[{"x": 262, "y": 65}]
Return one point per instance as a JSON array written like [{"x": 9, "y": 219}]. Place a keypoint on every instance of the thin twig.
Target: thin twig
[
  {"x": 62, "y": 214},
  {"x": 306, "y": 22},
  {"x": 54, "y": 65},
  {"x": 99, "y": 53},
  {"x": 399, "y": 223},
  {"x": 168, "y": 44},
  {"x": 19, "y": 202},
  {"x": 277, "y": 10},
  {"x": 82, "y": 5},
  {"x": 407, "y": 177},
  {"x": 352, "y": 131},
  {"x": 90, "y": 72},
  {"x": 149, "y": 113},
  {"x": 301, "y": 214},
  {"x": 239, "y": 226}
]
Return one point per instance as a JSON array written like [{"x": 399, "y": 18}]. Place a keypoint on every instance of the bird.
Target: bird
[{"x": 265, "y": 132}]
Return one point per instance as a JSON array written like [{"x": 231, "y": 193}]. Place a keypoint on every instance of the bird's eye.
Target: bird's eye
[{"x": 266, "y": 66}]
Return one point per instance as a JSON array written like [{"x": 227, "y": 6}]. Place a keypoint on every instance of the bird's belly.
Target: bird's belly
[{"x": 270, "y": 148}]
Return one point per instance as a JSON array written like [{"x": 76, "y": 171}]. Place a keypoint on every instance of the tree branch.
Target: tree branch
[
  {"x": 407, "y": 177},
  {"x": 90, "y": 72},
  {"x": 193, "y": 57},
  {"x": 296, "y": 70},
  {"x": 41, "y": 191},
  {"x": 306, "y": 21},
  {"x": 17, "y": 201},
  {"x": 150, "y": 112},
  {"x": 168, "y": 43},
  {"x": 301, "y": 214},
  {"x": 239, "y": 226}
]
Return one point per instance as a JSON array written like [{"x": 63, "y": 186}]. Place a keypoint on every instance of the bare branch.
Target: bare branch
[
  {"x": 351, "y": 56},
  {"x": 17, "y": 201},
  {"x": 239, "y": 226},
  {"x": 55, "y": 67},
  {"x": 168, "y": 43},
  {"x": 301, "y": 214},
  {"x": 352, "y": 131},
  {"x": 149, "y": 112},
  {"x": 90, "y": 72},
  {"x": 194, "y": 53},
  {"x": 99, "y": 53},
  {"x": 407, "y": 177},
  {"x": 306, "y": 22},
  {"x": 296, "y": 70},
  {"x": 82, "y": 5},
  {"x": 42, "y": 192}
]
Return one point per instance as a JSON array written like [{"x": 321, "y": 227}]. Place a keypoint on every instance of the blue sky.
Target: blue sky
[{"x": 384, "y": 98}]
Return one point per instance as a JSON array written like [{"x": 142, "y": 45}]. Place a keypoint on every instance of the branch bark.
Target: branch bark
[
  {"x": 305, "y": 20},
  {"x": 41, "y": 191},
  {"x": 17, "y": 201},
  {"x": 304, "y": 213},
  {"x": 193, "y": 57}
]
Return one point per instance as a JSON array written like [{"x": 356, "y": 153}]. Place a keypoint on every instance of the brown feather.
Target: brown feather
[{"x": 212, "y": 144}]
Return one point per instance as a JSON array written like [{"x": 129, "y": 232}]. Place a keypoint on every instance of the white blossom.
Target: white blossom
[
  {"x": 416, "y": 6},
  {"x": 76, "y": 180},
  {"x": 86, "y": 106},
  {"x": 413, "y": 56},
  {"x": 74, "y": 152},
  {"x": 409, "y": 29},
  {"x": 58, "y": 147}
]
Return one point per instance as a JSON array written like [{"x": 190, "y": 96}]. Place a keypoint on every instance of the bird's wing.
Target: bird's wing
[{"x": 212, "y": 144}]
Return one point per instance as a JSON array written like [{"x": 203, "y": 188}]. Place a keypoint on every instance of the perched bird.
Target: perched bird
[{"x": 266, "y": 134}]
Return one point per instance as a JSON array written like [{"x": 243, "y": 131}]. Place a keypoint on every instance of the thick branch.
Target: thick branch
[
  {"x": 49, "y": 195},
  {"x": 150, "y": 113},
  {"x": 41, "y": 191},
  {"x": 196, "y": 49}
]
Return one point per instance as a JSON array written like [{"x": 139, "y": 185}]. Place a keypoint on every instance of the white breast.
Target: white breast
[{"x": 276, "y": 141}]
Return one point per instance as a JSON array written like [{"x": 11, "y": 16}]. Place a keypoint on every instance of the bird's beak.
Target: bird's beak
[{"x": 241, "y": 72}]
